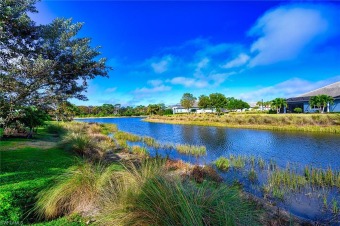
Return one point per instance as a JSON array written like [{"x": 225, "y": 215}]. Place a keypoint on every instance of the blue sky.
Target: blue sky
[{"x": 249, "y": 50}]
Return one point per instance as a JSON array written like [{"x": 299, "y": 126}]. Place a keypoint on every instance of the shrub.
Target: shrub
[{"x": 298, "y": 110}]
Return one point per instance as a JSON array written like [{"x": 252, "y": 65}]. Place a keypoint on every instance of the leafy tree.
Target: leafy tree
[
  {"x": 218, "y": 101},
  {"x": 321, "y": 101},
  {"x": 65, "y": 111},
  {"x": 236, "y": 104},
  {"x": 42, "y": 65},
  {"x": 203, "y": 102},
  {"x": 278, "y": 103},
  {"x": 188, "y": 100}
]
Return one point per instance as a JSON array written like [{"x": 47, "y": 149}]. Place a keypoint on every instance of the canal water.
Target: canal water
[{"x": 301, "y": 148}]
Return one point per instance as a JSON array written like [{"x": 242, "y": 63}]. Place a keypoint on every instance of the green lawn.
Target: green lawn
[{"x": 27, "y": 166}]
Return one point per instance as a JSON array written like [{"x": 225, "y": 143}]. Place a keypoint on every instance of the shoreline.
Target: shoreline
[
  {"x": 317, "y": 129},
  {"x": 110, "y": 117}
]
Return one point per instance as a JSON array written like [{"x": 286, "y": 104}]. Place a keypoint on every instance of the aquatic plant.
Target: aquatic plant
[
  {"x": 151, "y": 142},
  {"x": 238, "y": 161},
  {"x": 252, "y": 175},
  {"x": 335, "y": 208},
  {"x": 120, "y": 135},
  {"x": 222, "y": 163},
  {"x": 261, "y": 163},
  {"x": 191, "y": 149}
]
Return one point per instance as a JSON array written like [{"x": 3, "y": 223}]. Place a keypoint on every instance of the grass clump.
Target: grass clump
[
  {"x": 75, "y": 191},
  {"x": 142, "y": 151},
  {"x": 287, "y": 179},
  {"x": 147, "y": 196},
  {"x": 120, "y": 135},
  {"x": 78, "y": 142},
  {"x": 188, "y": 149},
  {"x": 222, "y": 163},
  {"x": 108, "y": 128},
  {"x": 151, "y": 142}
]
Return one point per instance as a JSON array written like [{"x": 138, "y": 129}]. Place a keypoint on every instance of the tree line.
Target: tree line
[{"x": 216, "y": 101}]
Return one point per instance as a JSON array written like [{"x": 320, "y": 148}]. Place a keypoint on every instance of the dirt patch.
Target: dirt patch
[{"x": 29, "y": 144}]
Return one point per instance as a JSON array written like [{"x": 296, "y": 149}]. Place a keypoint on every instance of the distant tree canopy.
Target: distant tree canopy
[
  {"x": 203, "y": 102},
  {"x": 188, "y": 100},
  {"x": 218, "y": 101},
  {"x": 236, "y": 104},
  {"x": 42, "y": 66}
]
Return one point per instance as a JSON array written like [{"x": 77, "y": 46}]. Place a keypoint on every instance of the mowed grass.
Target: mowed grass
[{"x": 26, "y": 169}]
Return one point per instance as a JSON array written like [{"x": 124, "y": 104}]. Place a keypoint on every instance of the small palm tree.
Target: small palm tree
[
  {"x": 278, "y": 103},
  {"x": 321, "y": 101}
]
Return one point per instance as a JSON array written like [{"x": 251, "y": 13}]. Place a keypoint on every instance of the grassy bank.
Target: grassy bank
[
  {"x": 327, "y": 123},
  {"x": 63, "y": 177}
]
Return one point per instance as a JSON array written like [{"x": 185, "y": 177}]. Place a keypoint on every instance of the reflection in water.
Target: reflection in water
[{"x": 320, "y": 150}]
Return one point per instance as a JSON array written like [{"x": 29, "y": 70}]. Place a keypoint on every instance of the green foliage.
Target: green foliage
[
  {"x": 75, "y": 191},
  {"x": 298, "y": 110},
  {"x": 203, "y": 102},
  {"x": 321, "y": 101},
  {"x": 146, "y": 196},
  {"x": 218, "y": 101},
  {"x": 236, "y": 104},
  {"x": 278, "y": 103},
  {"x": 188, "y": 100},
  {"x": 222, "y": 163}
]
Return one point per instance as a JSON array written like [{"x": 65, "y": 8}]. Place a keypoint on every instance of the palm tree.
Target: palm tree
[
  {"x": 321, "y": 101},
  {"x": 278, "y": 103}
]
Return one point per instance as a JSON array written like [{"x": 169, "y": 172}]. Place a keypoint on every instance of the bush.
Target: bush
[{"x": 298, "y": 110}]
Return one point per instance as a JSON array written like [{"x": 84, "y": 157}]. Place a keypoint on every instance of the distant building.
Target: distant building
[
  {"x": 194, "y": 109},
  {"x": 302, "y": 101}
]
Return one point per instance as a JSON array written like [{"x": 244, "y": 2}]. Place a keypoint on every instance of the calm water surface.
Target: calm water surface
[{"x": 320, "y": 150}]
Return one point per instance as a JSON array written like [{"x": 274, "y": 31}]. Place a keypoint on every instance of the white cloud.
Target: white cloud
[
  {"x": 155, "y": 89},
  {"x": 289, "y": 88},
  {"x": 189, "y": 82},
  {"x": 111, "y": 90},
  {"x": 162, "y": 65},
  {"x": 240, "y": 60},
  {"x": 285, "y": 32}
]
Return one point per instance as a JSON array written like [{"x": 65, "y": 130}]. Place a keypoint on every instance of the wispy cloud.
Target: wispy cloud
[
  {"x": 283, "y": 33},
  {"x": 289, "y": 88},
  {"x": 111, "y": 90},
  {"x": 162, "y": 65},
  {"x": 189, "y": 82},
  {"x": 240, "y": 60}
]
